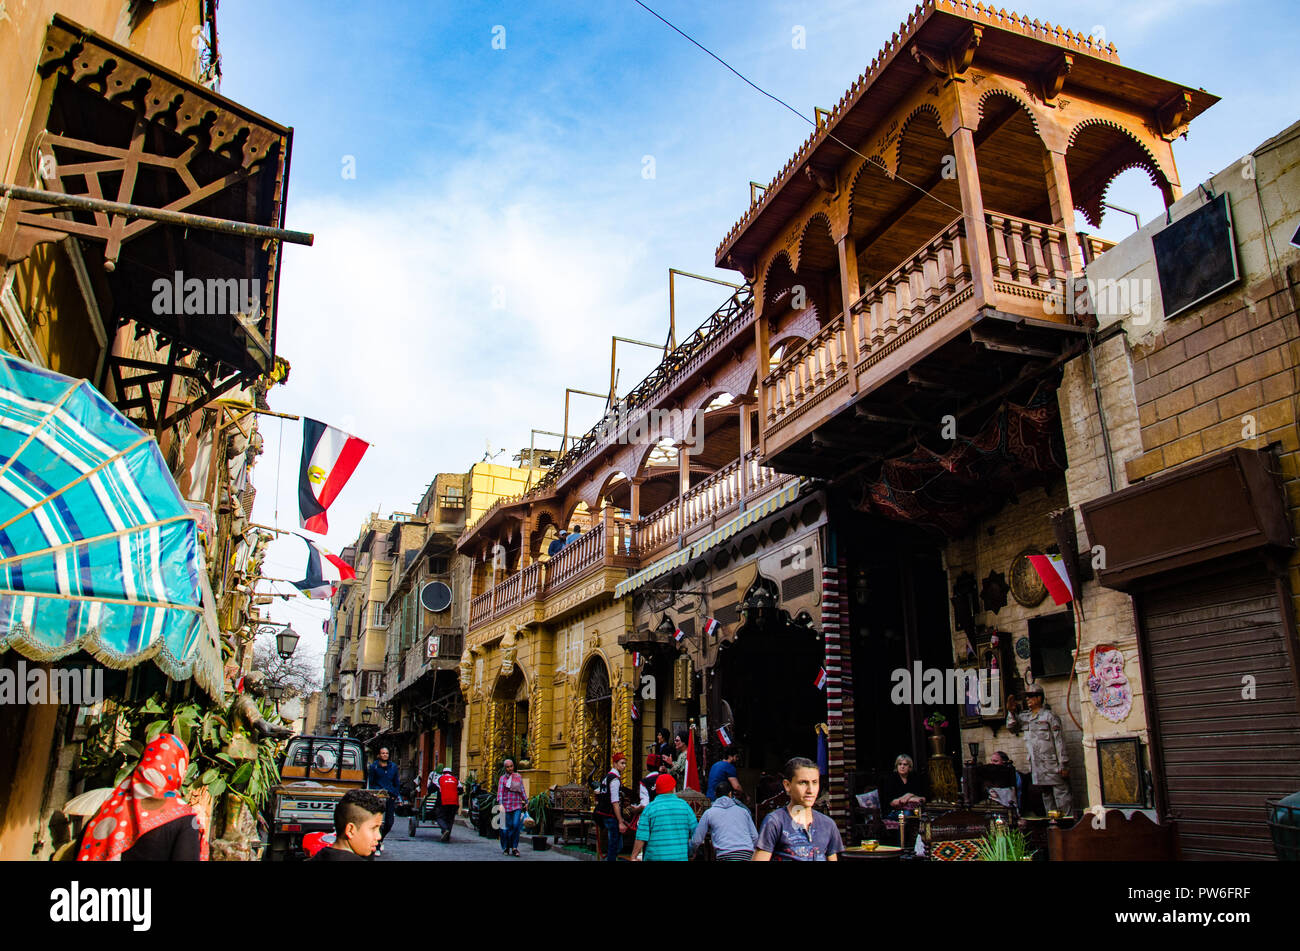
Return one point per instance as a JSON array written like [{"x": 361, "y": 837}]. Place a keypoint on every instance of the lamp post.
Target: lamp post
[{"x": 286, "y": 642}]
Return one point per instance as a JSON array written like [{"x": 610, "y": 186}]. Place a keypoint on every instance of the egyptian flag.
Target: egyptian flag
[
  {"x": 636, "y": 658},
  {"x": 324, "y": 572},
  {"x": 1051, "y": 568},
  {"x": 636, "y": 713},
  {"x": 679, "y": 635},
  {"x": 692, "y": 774},
  {"x": 329, "y": 457},
  {"x": 711, "y": 627},
  {"x": 820, "y": 683},
  {"x": 724, "y": 736}
]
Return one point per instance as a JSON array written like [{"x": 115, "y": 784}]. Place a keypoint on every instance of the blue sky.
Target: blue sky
[{"x": 500, "y": 225}]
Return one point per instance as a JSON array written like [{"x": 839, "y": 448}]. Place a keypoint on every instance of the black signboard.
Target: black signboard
[{"x": 1196, "y": 256}]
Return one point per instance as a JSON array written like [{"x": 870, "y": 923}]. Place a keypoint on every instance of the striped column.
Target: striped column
[{"x": 842, "y": 745}]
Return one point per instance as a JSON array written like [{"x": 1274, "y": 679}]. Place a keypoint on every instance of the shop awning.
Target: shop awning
[
  {"x": 764, "y": 508},
  {"x": 646, "y": 575},
  {"x": 666, "y": 564},
  {"x": 98, "y": 551}
]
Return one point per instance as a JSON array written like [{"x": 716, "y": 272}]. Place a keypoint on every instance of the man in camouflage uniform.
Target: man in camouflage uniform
[{"x": 1049, "y": 765}]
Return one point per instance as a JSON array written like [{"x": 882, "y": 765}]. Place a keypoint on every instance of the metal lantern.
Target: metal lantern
[{"x": 286, "y": 642}]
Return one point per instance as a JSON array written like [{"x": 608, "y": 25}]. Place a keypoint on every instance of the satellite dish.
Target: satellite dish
[{"x": 435, "y": 596}]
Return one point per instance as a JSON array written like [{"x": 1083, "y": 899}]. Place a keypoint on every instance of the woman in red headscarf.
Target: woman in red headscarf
[{"x": 145, "y": 819}]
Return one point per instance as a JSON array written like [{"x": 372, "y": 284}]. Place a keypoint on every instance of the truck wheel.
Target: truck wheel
[{"x": 412, "y": 826}]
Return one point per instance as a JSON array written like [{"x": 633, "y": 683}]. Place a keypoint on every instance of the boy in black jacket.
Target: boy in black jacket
[{"x": 357, "y": 821}]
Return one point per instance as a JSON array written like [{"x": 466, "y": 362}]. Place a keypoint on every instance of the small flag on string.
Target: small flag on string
[
  {"x": 636, "y": 713},
  {"x": 821, "y": 679},
  {"x": 724, "y": 736},
  {"x": 1051, "y": 568},
  {"x": 678, "y": 635},
  {"x": 711, "y": 627},
  {"x": 636, "y": 658}
]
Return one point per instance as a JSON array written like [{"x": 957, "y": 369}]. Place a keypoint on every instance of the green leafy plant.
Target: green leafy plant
[
  {"x": 936, "y": 721},
  {"x": 537, "y": 808},
  {"x": 1003, "y": 845},
  {"x": 115, "y": 744}
]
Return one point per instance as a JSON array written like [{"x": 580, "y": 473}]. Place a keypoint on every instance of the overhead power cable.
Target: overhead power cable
[{"x": 813, "y": 122}]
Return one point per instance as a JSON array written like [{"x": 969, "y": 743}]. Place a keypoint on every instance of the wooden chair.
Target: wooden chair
[
  {"x": 1112, "y": 838},
  {"x": 573, "y": 811}
]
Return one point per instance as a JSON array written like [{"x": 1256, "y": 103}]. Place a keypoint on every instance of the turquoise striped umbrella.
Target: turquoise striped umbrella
[{"x": 98, "y": 551}]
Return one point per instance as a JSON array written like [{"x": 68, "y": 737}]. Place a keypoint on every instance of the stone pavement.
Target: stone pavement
[{"x": 466, "y": 845}]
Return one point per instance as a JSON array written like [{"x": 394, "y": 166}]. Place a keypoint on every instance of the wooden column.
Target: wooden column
[
  {"x": 746, "y": 444},
  {"x": 683, "y": 469},
  {"x": 972, "y": 207},
  {"x": 763, "y": 350},
  {"x": 634, "y": 504},
  {"x": 848, "y": 253},
  {"x": 1061, "y": 199}
]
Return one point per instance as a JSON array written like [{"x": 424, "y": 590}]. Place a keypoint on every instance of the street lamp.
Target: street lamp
[
  {"x": 365, "y": 715},
  {"x": 286, "y": 642}
]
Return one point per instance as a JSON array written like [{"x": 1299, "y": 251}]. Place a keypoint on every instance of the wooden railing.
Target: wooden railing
[
  {"x": 1027, "y": 253},
  {"x": 816, "y": 367},
  {"x": 1093, "y": 247},
  {"x": 1029, "y": 263},
  {"x": 719, "y": 495},
  {"x": 610, "y": 542}
]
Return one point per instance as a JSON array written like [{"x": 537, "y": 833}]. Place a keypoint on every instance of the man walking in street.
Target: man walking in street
[
  {"x": 729, "y": 827},
  {"x": 664, "y": 832},
  {"x": 449, "y": 790},
  {"x": 723, "y": 773},
  {"x": 383, "y": 774},
  {"x": 1049, "y": 765},
  {"x": 609, "y": 810},
  {"x": 511, "y": 798}
]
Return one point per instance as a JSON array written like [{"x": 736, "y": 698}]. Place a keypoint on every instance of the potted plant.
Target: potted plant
[
  {"x": 933, "y": 724},
  {"x": 537, "y": 816},
  {"x": 1004, "y": 845}
]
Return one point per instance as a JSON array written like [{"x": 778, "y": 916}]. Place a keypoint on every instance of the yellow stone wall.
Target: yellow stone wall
[{"x": 554, "y": 655}]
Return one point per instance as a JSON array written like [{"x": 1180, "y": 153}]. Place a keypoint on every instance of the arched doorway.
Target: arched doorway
[
  {"x": 597, "y": 719},
  {"x": 767, "y": 680},
  {"x": 510, "y": 698}
]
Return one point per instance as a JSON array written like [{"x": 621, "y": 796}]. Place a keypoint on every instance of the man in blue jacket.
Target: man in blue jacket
[
  {"x": 383, "y": 774},
  {"x": 729, "y": 825}
]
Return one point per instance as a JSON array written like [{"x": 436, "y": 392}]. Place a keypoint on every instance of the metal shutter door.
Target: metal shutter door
[{"x": 1222, "y": 755}]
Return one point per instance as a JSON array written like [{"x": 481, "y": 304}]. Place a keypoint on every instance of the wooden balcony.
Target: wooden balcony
[
  {"x": 925, "y": 303},
  {"x": 704, "y": 507},
  {"x": 609, "y": 544}
]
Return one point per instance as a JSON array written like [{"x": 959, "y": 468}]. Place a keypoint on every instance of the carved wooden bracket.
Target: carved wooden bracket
[
  {"x": 1172, "y": 117},
  {"x": 1052, "y": 79},
  {"x": 823, "y": 178},
  {"x": 951, "y": 63}
]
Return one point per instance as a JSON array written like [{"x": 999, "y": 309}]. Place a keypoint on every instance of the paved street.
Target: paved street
[{"x": 465, "y": 846}]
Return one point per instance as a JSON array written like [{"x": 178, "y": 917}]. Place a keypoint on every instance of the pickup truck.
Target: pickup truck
[{"x": 315, "y": 773}]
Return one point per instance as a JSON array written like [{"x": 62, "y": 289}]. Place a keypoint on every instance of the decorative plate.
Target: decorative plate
[
  {"x": 1026, "y": 587},
  {"x": 1022, "y": 648}
]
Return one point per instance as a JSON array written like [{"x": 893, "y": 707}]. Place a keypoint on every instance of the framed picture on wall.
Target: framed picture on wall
[{"x": 1119, "y": 762}]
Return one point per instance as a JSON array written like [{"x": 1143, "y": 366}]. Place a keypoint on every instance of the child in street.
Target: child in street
[{"x": 357, "y": 821}]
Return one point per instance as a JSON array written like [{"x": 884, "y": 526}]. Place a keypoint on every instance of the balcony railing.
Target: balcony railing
[
  {"x": 414, "y": 661},
  {"x": 1029, "y": 264},
  {"x": 609, "y": 543},
  {"x": 721, "y": 494}
]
